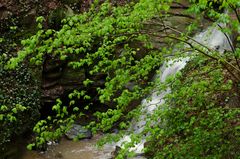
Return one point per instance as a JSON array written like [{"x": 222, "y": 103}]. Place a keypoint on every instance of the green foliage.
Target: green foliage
[
  {"x": 99, "y": 40},
  {"x": 53, "y": 127},
  {"x": 195, "y": 121},
  {"x": 19, "y": 101}
]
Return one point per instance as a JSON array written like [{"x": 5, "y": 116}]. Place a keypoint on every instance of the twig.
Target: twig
[
  {"x": 235, "y": 11},
  {"x": 212, "y": 57},
  {"x": 190, "y": 38},
  {"x": 229, "y": 41},
  {"x": 232, "y": 48},
  {"x": 223, "y": 61}
]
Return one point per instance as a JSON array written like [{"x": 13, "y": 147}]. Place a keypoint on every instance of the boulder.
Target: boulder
[{"x": 79, "y": 132}]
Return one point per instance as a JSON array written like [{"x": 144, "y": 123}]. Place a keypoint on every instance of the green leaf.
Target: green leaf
[
  {"x": 1, "y": 117},
  {"x": 14, "y": 110},
  {"x": 75, "y": 109},
  {"x": 30, "y": 146}
]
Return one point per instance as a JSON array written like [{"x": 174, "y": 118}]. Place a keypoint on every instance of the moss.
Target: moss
[{"x": 18, "y": 87}]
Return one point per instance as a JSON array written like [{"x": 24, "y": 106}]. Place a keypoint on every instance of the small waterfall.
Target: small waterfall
[{"x": 213, "y": 38}]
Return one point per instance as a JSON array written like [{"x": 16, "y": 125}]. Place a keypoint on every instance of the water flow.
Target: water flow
[
  {"x": 212, "y": 38},
  {"x": 66, "y": 149}
]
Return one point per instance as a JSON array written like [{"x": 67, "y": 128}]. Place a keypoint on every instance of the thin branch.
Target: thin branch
[
  {"x": 191, "y": 45},
  {"x": 204, "y": 53},
  {"x": 164, "y": 26},
  {"x": 190, "y": 38},
  {"x": 230, "y": 72},
  {"x": 206, "y": 73},
  {"x": 212, "y": 57},
  {"x": 211, "y": 50},
  {"x": 229, "y": 41},
  {"x": 236, "y": 12},
  {"x": 231, "y": 45}
]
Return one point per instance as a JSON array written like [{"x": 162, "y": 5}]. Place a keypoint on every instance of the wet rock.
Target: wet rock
[
  {"x": 4, "y": 13},
  {"x": 116, "y": 152},
  {"x": 29, "y": 18},
  {"x": 72, "y": 77},
  {"x": 79, "y": 132},
  {"x": 52, "y": 94}
]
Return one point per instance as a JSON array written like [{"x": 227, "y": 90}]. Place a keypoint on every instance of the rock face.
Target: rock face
[
  {"x": 58, "y": 78},
  {"x": 79, "y": 132}
]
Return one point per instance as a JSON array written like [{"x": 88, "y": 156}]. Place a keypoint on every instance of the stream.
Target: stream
[{"x": 66, "y": 149}]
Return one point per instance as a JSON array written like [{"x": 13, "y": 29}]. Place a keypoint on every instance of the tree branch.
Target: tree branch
[
  {"x": 236, "y": 12},
  {"x": 211, "y": 50},
  {"x": 232, "y": 48},
  {"x": 224, "y": 63}
]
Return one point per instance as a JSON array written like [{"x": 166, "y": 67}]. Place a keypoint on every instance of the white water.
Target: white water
[
  {"x": 85, "y": 149},
  {"x": 214, "y": 39}
]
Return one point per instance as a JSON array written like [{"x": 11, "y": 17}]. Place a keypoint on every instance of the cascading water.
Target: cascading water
[
  {"x": 211, "y": 37},
  {"x": 214, "y": 39}
]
